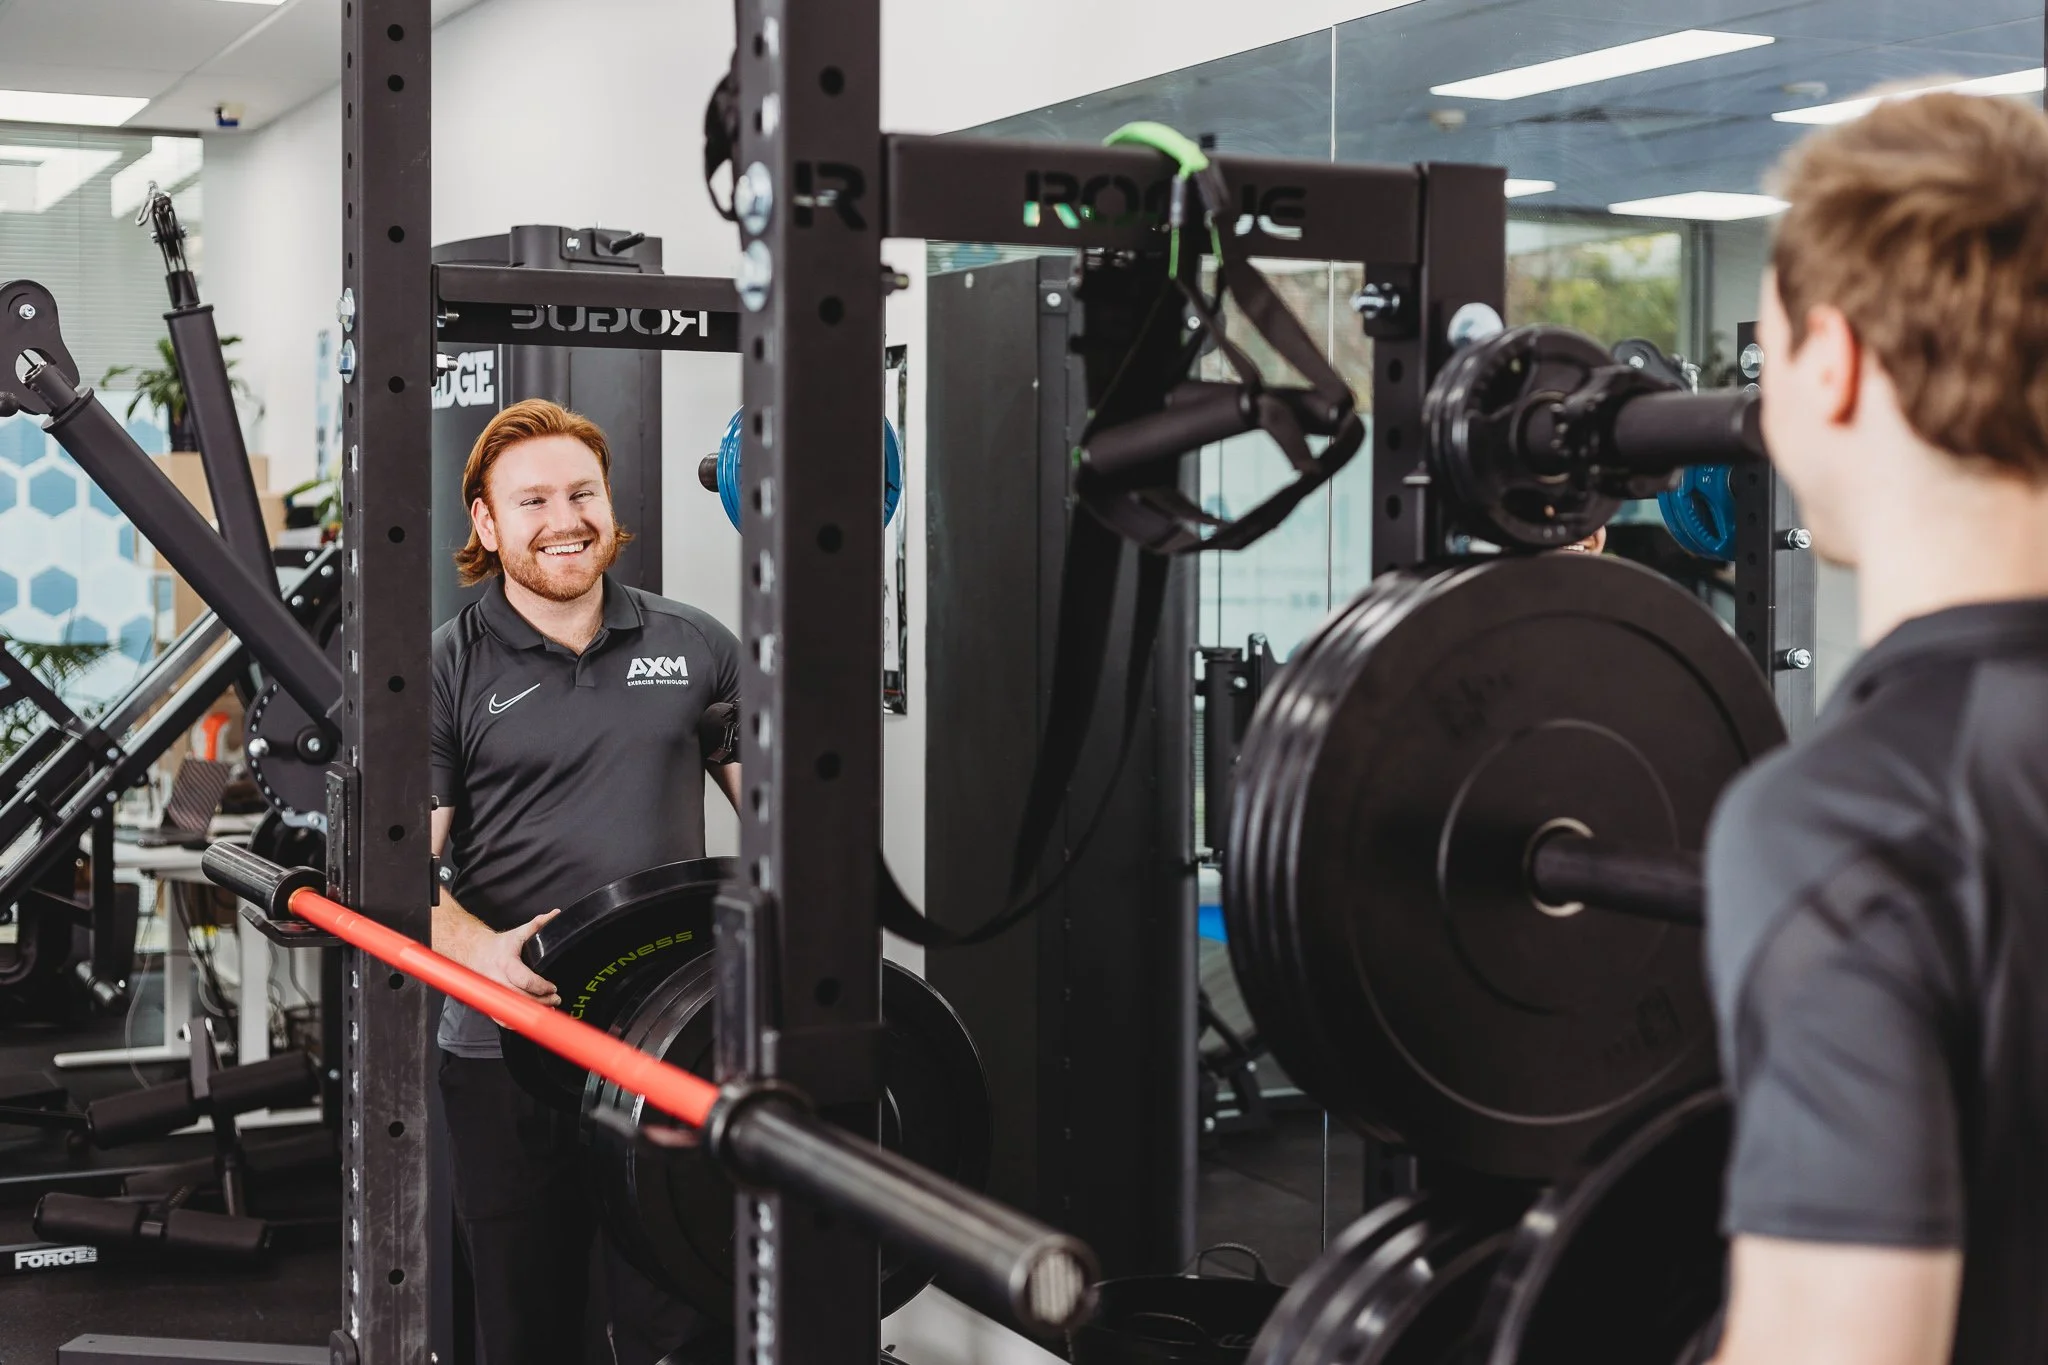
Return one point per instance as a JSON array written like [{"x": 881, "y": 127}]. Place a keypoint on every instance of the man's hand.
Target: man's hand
[{"x": 496, "y": 956}]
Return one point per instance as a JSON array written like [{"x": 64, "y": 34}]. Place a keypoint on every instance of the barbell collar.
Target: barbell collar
[
  {"x": 1568, "y": 870},
  {"x": 987, "y": 1255}
]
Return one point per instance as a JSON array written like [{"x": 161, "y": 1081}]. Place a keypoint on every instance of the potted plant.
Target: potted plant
[{"x": 163, "y": 386}]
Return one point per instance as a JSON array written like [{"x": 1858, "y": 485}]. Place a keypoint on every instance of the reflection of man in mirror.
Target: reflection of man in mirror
[{"x": 1877, "y": 893}]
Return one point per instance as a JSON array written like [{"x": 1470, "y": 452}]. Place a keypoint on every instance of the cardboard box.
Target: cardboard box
[{"x": 188, "y": 473}]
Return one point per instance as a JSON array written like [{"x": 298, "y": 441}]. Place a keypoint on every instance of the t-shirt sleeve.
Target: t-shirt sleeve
[
  {"x": 1846, "y": 1117},
  {"x": 444, "y": 745},
  {"x": 725, "y": 660}
]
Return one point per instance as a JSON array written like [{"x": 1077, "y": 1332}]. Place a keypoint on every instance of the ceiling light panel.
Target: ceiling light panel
[
  {"x": 46, "y": 106},
  {"x": 1704, "y": 206},
  {"x": 1522, "y": 189},
  {"x": 168, "y": 164},
  {"x": 2030, "y": 82},
  {"x": 1691, "y": 45}
]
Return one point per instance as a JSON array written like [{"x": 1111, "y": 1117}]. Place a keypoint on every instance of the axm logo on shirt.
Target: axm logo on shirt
[{"x": 648, "y": 671}]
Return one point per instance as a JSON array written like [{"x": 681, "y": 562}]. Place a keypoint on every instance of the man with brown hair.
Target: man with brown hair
[
  {"x": 1877, "y": 916},
  {"x": 565, "y": 755}
]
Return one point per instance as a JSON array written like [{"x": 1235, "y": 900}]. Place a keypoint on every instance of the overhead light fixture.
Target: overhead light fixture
[
  {"x": 47, "y": 106},
  {"x": 1691, "y": 45},
  {"x": 2030, "y": 82},
  {"x": 1522, "y": 189},
  {"x": 169, "y": 163},
  {"x": 33, "y": 179},
  {"x": 1706, "y": 206}
]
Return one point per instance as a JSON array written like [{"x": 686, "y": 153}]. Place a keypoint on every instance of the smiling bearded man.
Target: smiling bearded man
[{"x": 565, "y": 755}]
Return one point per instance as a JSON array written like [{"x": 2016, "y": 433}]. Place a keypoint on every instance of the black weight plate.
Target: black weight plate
[
  {"x": 648, "y": 923},
  {"x": 1402, "y": 1286},
  {"x": 1623, "y": 1263},
  {"x": 670, "y": 1210},
  {"x": 1474, "y": 416},
  {"x": 1374, "y": 888}
]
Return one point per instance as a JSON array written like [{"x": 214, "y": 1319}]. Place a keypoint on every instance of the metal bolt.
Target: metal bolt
[
  {"x": 1054, "y": 299},
  {"x": 1752, "y": 361},
  {"x": 1376, "y": 301},
  {"x": 1473, "y": 322},
  {"x": 298, "y": 601},
  {"x": 345, "y": 361},
  {"x": 1795, "y": 659},
  {"x": 894, "y": 281},
  {"x": 573, "y": 243},
  {"x": 327, "y": 571},
  {"x": 27, "y": 312},
  {"x": 756, "y": 275},
  {"x": 1797, "y": 538},
  {"x": 753, "y": 198},
  {"x": 258, "y": 747},
  {"x": 1635, "y": 362},
  {"x": 313, "y": 745},
  {"x": 345, "y": 310}
]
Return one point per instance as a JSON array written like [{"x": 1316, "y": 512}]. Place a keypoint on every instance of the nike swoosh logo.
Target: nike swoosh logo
[{"x": 499, "y": 708}]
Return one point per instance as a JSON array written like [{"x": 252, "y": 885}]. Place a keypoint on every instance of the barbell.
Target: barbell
[{"x": 1000, "y": 1261}]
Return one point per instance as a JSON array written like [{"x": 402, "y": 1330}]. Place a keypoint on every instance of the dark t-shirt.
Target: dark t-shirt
[
  {"x": 1877, "y": 935},
  {"x": 568, "y": 772}
]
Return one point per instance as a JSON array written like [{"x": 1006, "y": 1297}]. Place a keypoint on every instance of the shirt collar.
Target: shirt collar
[
  {"x": 1972, "y": 631},
  {"x": 621, "y": 612}
]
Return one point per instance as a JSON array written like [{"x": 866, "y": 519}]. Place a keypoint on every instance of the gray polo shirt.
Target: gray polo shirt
[
  {"x": 1877, "y": 936},
  {"x": 568, "y": 772}
]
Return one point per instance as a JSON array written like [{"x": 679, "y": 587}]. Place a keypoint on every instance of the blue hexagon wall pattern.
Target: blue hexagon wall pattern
[
  {"x": 83, "y": 630},
  {"x": 53, "y": 591},
  {"x": 6, "y": 491},
  {"x": 10, "y": 595},
  {"x": 53, "y": 492},
  {"x": 128, "y": 543},
  {"x": 21, "y": 441},
  {"x": 138, "y": 639},
  {"x": 99, "y": 500}
]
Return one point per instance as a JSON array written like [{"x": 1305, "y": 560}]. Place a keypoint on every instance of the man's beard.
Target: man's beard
[{"x": 561, "y": 583}]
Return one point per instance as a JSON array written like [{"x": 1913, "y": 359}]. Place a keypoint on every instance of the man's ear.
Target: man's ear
[
  {"x": 486, "y": 526},
  {"x": 1836, "y": 357}
]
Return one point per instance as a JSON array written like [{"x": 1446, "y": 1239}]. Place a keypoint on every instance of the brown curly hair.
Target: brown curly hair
[
  {"x": 1925, "y": 222},
  {"x": 523, "y": 421}
]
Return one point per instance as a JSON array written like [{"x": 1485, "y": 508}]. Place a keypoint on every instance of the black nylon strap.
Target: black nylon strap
[{"x": 1066, "y": 730}]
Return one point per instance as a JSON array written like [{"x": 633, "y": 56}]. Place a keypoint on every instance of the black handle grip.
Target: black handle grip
[
  {"x": 149, "y": 1112},
  {"x": 258, "y": 880},
  {"x": 61, "y": 1217},
  {"x": 288, "y": 1078},
  {"x": 1672, "y": 430},
  {"x": 707, "y": 473},
  {"x": 1195, "y": 415},
  {"x": 983, "y": 1253},
  {"x": 217, "y": 1234}
]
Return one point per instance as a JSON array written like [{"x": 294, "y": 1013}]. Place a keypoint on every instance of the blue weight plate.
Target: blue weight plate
[
  {"x": 729, "y": 470},
  {"x": 1700, "y": 512}
]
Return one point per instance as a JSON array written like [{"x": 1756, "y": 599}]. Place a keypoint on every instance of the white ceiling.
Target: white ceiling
[{"x": 185, "y": 56}]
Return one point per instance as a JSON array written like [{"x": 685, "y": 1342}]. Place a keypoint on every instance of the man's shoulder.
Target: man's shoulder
[
  {"x": 671, "y": 613},
  {"x": 458, "y": 636},
  {"x": 1870, "y": 784}
]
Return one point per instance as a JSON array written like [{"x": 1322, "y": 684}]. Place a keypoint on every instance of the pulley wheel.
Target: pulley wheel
[
  {"x": 289, "y": 764},
  {"x": 1477, "y": 416},
  {"x": 634, "y": 930},
  {"x": 1401, "y": 1286},
  {"x": 670, "y": 1210},
  {"x": 1391, "y": 786},
  {"x": 1624, "y": 1262}
]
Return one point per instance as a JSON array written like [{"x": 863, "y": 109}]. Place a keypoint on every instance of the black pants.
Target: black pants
[{"x": 549, "y": 1289}]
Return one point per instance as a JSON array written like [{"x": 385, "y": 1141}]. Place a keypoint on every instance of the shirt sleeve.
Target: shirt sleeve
[
  {"x": 444, "y": 744},
  {"x": 725, "y": 656},
  {"x": 1846, "y": 1113}
]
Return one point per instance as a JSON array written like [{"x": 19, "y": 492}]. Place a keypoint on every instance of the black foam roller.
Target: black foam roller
[
  {"x": 218, "y": 1234},
  {"x": 77, "y": 1218},
  {"x": 134, "y": 1114},
  {"x": 287, "y": 1078}
]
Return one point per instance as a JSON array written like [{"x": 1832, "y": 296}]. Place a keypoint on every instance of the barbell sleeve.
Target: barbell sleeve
[
  {"x": 1672, "y": 430},
  {"x": 989, "y": 1255},
  {"x": 983, "y": 1253},
  {"x": 256, "y": 879},
  {"x": 1662, "y": 884}
]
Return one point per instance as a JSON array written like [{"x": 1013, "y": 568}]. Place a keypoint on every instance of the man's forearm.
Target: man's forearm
[{"x": 454, "y": 929}]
